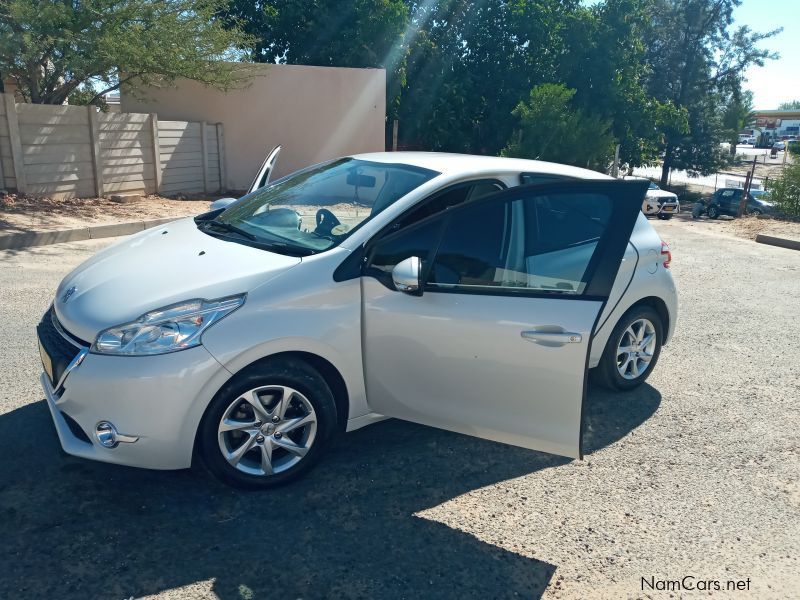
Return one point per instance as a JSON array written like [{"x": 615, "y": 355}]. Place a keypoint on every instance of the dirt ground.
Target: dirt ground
[
  {"x": 746, "y": 227},
  {"x": 20, "y": 214},
  {"x": 750, "y": 227}
]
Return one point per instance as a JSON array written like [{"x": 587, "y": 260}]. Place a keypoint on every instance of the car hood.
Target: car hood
[
  {"x": 155, "y": 268},
  {"x": 662, "y": 195}
]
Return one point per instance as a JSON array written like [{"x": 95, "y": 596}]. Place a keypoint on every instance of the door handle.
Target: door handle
[{"x": 553, "y": 337}]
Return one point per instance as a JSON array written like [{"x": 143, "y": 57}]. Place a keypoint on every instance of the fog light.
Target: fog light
[{"x": 106, "y": 434}]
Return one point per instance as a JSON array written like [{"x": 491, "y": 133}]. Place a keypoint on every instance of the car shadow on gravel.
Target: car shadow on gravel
[{"x": 77, "y": 529}]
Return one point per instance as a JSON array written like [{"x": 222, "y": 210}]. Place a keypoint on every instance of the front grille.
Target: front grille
[{"x": 58, "y": 348}]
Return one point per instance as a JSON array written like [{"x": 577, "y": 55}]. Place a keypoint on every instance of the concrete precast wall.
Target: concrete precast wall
[
  {"x": 315, "y": 113},
  {"x": 76, "y": 151}
]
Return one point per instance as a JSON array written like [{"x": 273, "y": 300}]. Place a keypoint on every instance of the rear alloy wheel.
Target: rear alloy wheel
[
  {"x": 632, "y": 350},
  {"x": 268, "y": 425},
  {"x": 635, "y": 349}
]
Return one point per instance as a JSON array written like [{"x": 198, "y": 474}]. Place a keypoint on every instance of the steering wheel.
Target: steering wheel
[{"x": 326, "y": 221}]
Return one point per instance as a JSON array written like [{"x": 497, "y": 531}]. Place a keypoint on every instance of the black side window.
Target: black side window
[
  {"x": 530, "y": 178},
  {"x": 456, "y": 195},
  {"x": 564, "y": 220},
  {"x": 418, "y": 240},
  {"x": 473, "y": 248},
  {"x": 538, "y": 244},
  {"x": 451, "y": 197}
]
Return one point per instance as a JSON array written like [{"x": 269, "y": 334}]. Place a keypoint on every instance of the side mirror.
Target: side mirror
[
  {"x": 222, "y": 203},
  {"x": 406, "y": 276}
]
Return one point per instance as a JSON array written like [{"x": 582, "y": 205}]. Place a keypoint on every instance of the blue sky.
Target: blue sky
[{"x": 778, "y": 80}]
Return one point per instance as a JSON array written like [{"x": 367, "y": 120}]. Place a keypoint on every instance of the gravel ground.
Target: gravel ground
[{"x": 695, "y": 474}]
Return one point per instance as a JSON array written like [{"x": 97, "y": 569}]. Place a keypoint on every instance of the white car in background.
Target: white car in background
[
  {"x": 658, "y": 203},
  {"x": 469, "y": 293}
]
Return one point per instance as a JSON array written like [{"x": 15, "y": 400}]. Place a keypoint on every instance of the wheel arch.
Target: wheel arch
[
  {"x": 654, "y": 302},
  {"x": 660, "y": 307},
  {"x": 329, "y": 373}
]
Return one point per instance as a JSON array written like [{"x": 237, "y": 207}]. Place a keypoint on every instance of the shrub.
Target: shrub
[{"x": 785, "y": 191}]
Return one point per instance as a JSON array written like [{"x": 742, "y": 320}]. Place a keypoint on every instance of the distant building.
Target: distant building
[
  {"x": 775, "y": 124},
  {"x": 113, "y": 101}
]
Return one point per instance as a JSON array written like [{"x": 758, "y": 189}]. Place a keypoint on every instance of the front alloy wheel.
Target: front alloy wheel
[
  {"x": 268, "y": 424},
  {"x": 267, "y": 430}
]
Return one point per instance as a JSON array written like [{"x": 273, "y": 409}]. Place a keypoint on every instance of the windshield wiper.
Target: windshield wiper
[
  {"x": 293, "y": 249},
  {"x": 254, "y": 241},
  {"x": 227, "y": 227}
]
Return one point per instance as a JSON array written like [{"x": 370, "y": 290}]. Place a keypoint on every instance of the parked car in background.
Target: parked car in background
[
  {"x": 779, "y": 146},
  {"x": 726, "y": 201},
  {"x": 659, "y": 203},
  {"x": 468, "y": 293}
]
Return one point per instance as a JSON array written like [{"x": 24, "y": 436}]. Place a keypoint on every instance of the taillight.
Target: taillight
[{"x": 666, "y": 254}]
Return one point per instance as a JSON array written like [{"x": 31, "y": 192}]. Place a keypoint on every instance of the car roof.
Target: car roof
[{"x": 472, "y": 164}]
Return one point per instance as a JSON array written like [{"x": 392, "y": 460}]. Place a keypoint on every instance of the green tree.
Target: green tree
[
  {"x": 793, "y": 105},
  {"x": 550, "y": 128},
  {"x": 605, "y": 62},
  {"x": 738, "y": 115},
  {"x": 696, "y": 60},
  {"x": 470, "y": 63},
  {"x": 785, "y": 190},
  {"x": 53, "y": 48},
  {"x": 337, "y": 33}
]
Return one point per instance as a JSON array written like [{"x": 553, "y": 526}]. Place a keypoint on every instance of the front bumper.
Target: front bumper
[
  {"x": 669, "y": 208},
  {"x": 158, "y": 399}
]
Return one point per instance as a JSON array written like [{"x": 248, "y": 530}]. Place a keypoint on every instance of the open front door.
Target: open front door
[
  {"x": 263, "y": 175},
  {"x": 497, "y": 343}
]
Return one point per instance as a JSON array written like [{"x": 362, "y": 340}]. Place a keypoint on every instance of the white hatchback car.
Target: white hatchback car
[{"x": 463, "y": 292}]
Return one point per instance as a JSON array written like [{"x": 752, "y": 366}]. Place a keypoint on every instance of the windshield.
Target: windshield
[
  {"x": 653, "y": 186},
  {"x": 317, "y": 208}
]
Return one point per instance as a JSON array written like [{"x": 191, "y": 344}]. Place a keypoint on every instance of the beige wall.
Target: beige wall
[{"x": 315, "y": 113}]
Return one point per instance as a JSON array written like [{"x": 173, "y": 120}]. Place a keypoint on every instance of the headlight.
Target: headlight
[{"x": 175, "y": 327}]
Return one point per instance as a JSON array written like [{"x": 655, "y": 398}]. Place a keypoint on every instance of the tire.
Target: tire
[
  {"x": 665, "y": 216},
  {"x": 297, "y": 412},
  {"x": 755, "y": 212},
  {"x": 713, "y": 212},
  {"x": 607, "y": 373}
]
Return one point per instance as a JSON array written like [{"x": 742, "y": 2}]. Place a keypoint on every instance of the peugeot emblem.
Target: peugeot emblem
[{"x": 68, "y": 294}]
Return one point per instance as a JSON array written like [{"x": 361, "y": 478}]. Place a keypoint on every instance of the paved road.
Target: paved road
[{"x": 695, "y": 474}]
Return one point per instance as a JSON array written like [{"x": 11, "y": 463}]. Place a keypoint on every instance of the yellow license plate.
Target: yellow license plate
[
  {"x": 47, "y": 363},
  {"x": 668, "y": 209}
]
